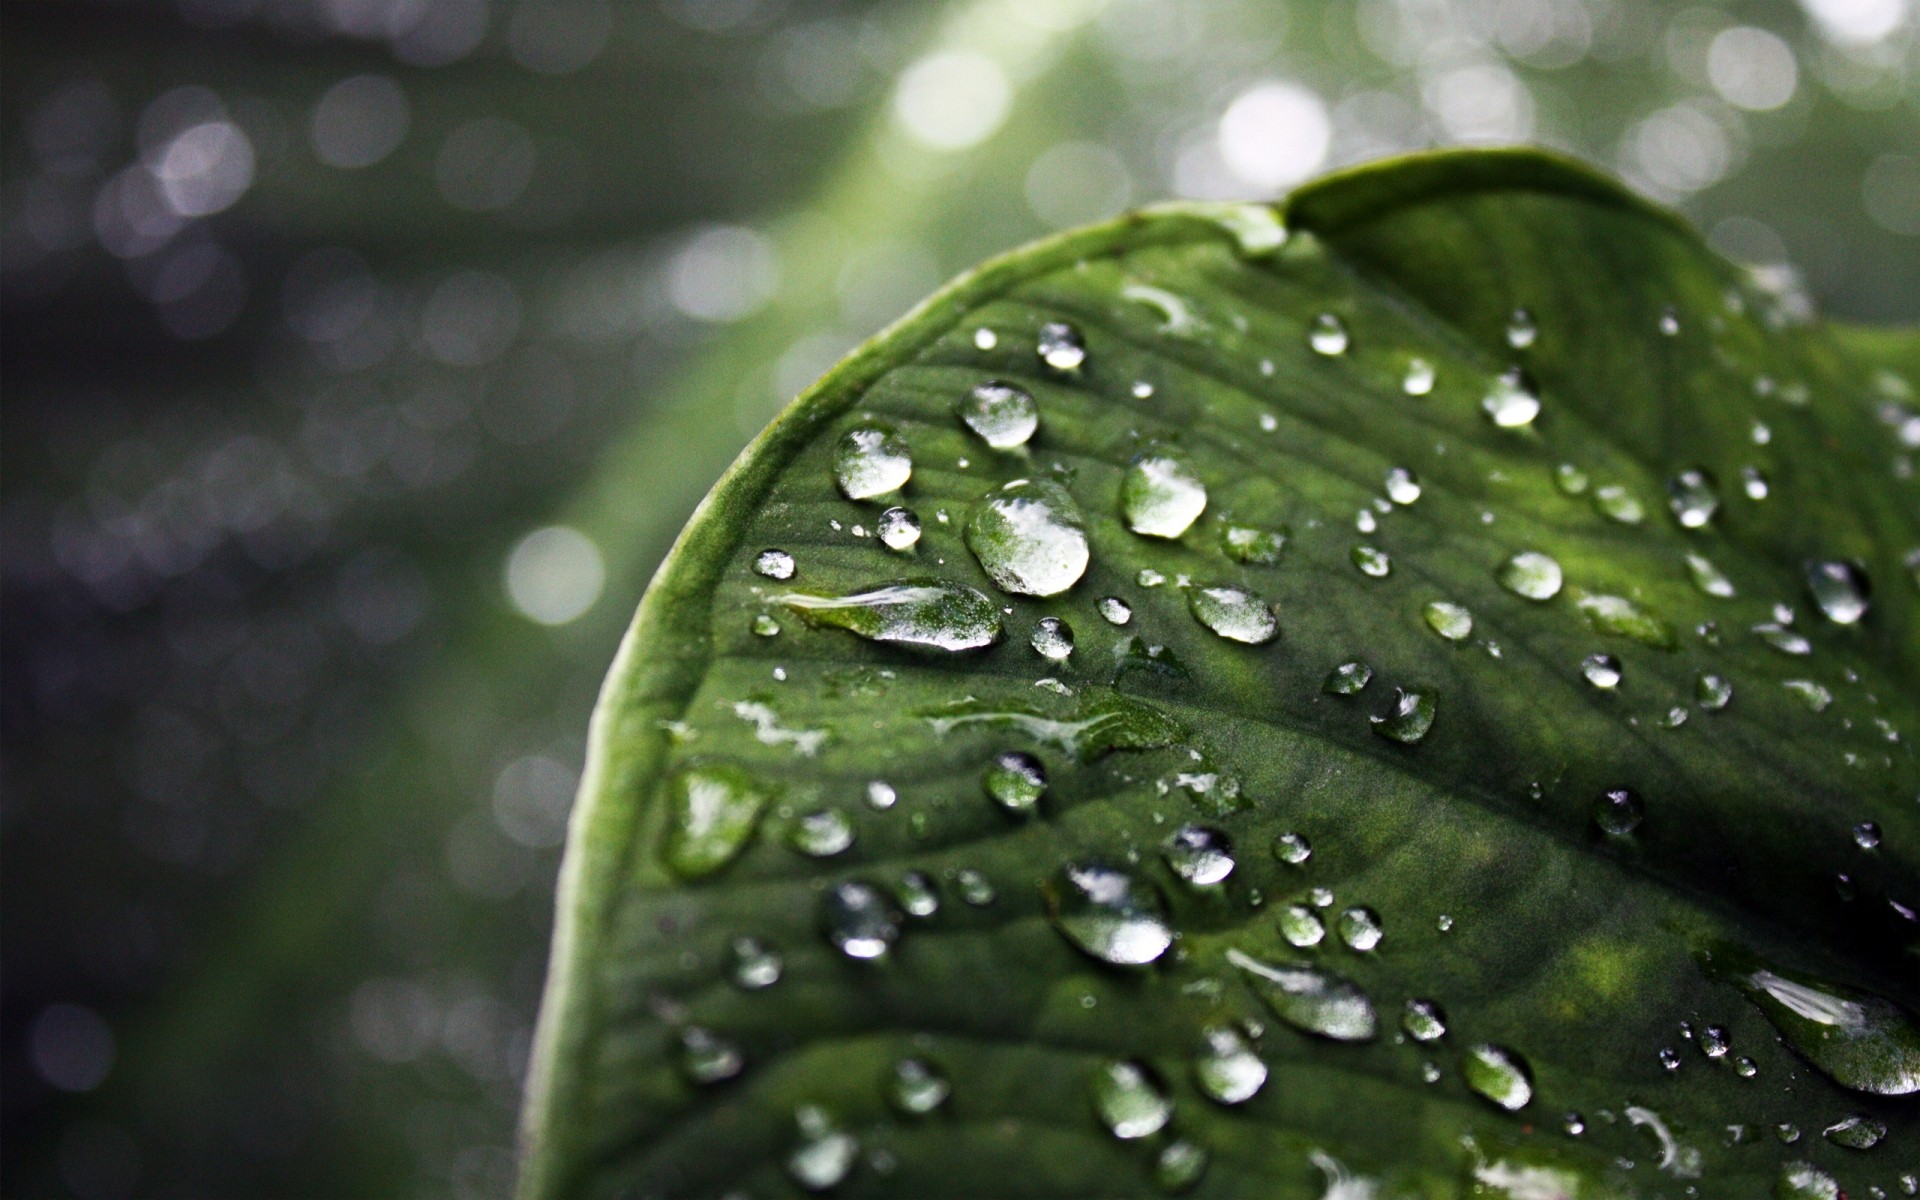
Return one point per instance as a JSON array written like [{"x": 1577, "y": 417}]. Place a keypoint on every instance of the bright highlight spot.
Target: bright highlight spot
[
  {"x": 952, "y": 99},
  {"x": 554, "y": 575},
  {"x": 1275, "y": 135},
  {"x": 1752, "y": 69}
]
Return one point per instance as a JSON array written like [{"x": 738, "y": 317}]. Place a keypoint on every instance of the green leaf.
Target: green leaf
[{"x": 1435, "y": 798}]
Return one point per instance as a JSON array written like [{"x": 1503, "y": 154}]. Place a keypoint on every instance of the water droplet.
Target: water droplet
[
  {"x": 1030, "y": 538},
  {"x": 825, "y": 1153},
  {"x": 1510, "y": 403},
  {"x": 1310, "y": 999},
  {"x": 1060, "y": 347},
  {"x": 899, "y": 528},
  {"x": 1408, "y": 720},
  {"x": 1815, "y": 696},
  {"x": 707, "y": 1058},
  {"x": 1753, "y": 481},
  {"x": 1147, "y": 577},
  {"x": 1714, "y": 1042},
  {"x": 1016, "y": 781},
  {"x": 1200, "y": 855},
  {"x": 881, "y": 795},
  {"x": 1419, "y": 379},
  {"x": 917, "y": 894},
  {"x": 1292, "y": 849},
  {"x": 774, "y": 564},
  {"x": 1866, "y": 835},
  {"x": 1571, "y": 480},
  {"x": 1371, "y": 561},
  {"x": 1451, "y": 621},
  {"x": 1498, "y": 1074},
  {"x": 1234, "y": 613},
  {"x": 1002, "y": 415},
  {"x": 1840, "y": 588},
  {"x": 1115, "y": 610},
  {"x": 1252, "y": 545},
  {"x": 870, "y": 461},
  {"x": 1109, "y": 913},
  {"x": 1712, "y": 692},
  {"x": 1804, "y": 1181},
  {"x": 1443, "y": 923},
  {"x": 945, "y": 616},
  {"x": 1858, "y": 1040},
  {"x": 1574, "y": 1124},
  {"x": 1531, "y": 575},
  {"x": 1601, "y": 670},
  {"x": 1617, "y": 616},
  {"x": 765, "y": 626},
  {"x": 1052, "y": 639},
  {"x": 975, "y": 888},
  {"x": 1402, "y": 488},
  {"x": 985, "y": 339},
  {"x": 1227, "y": 1069},
  {"x": 1708, "y": 578},
  {"x": 1424, "y": 1021},
  {"x": 1301, "y": 926},
  {"x": 712, "y": 811},
  {"x": 1161, "y": 496},
  {"x": 1616, "y": 503},
  {"x": 1618, "y": 812},
  {"x": 1669, "y": 322},
  {"x": 1670, "y": 1058},
  {"x": 1521, "y": 330},
  {"x": 1129, "y": 1100},
  {"x": 1180, "y": 1165},
  {"x": 1692, "y": 496},
  {"x": 859, "y": 919},
  {"x": 821, "y": 834},
  {"x": 755, "y": 964},
  {"x": 1359, "y": 927},
  {"x": 1328, "y": 335},
  {"x": 1786, "y": 641},
  {"x": 1347, "y": 679},
  {"x": 916, "y": 1087}
]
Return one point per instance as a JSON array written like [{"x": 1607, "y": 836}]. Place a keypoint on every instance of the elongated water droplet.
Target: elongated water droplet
[
  {"x": 708, "y": 1058},
  {"x": 1252, "y": 545},
  {"x": 1347, "y": 679},
  {"x": 859, "y": 919},
  {"x": 1618, "y": 812},
  {"x": 1234, "y": 613},
  {"x": 1692, "y": 496},
  {"x": 1016, "y": 781},
  {"x": 916, "y": 1087},
  {"x": 1161, "y": 496},
  {"x": 1109, "y": 913},
  {"x": 774, "y": 564},
  {"x": 1419, "y": 379},
  {"x": 899, "y": 528},
  {"x": 1510, "y": 403},
  {"x": 1372, "y": 561},
  {"x": 1402, "y": 488},
  {"x": 1601, "y": 670},
  {"x": 1840, "y": 588},
  {"x": 1783, "y": 639},
  {"x": 1292, "y": 849},
  {"x": 1857, "y": 1039},
  {"x": 1814, "y": 695},
  {"x": 1328, "y": 335},
  {"x": 825, "y": 1152},
  {"x": 1408, "y": 720},
  {"x": 1030, "y": 538},
  {"x": 1617, "y": 616},
  {"x": 1424, "y": 1021},
  {"x": 1052, "y": 639},
  {"x": 1531, "y": 574},
  {"x": 1002, "y": 415},
  {"x": 1498, "y": 1074},
  {"x": 1360, "y": 928},
  {"x": 1521, "y": 330},
  {"x": 1856, "y": 1132},
  {"x": 1301, "y": 926},
  {"x": 1708, "y": 578},
  {"x": 871, "y": 461},
  {"x": 711, "y": 814},
  {"x": 1309, "y": 999},
  {"x": 914, "y": 612},
  {"x": 975, "y": 888},
  {"x": 1115, "y": 610},
  {"x": 1227, "y": 1069},
  {"x": 881, "y": 795},
  {"x": 821, "y": 834},
  {"x": 1060, "y": 347},
  {"x": 1451, "y": 621},
  {"x": 1129, "y": 1100},
  {"x": 755, "y": 964},
  {"x": 1616, "y": 503},
  {"x": 1200, "y": 855}
]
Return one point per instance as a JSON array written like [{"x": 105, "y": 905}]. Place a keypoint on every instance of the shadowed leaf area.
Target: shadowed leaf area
[{"x": 1409, "y": 692}]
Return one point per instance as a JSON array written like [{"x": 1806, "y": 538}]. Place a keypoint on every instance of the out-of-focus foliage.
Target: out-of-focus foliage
[{"x": 341, "y": 335}]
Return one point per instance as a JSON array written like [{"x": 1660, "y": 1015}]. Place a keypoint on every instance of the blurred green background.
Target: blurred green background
[{"x": 361, "y": 359}]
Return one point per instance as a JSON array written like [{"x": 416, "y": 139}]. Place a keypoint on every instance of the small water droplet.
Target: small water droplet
[
  {"x": 1708, "y": 578},
  {"x": 881, "y": 795},
  {"x": 708, "y": 1058},
  {"x": 774, "y": 564},
  {"x": 1161, "y": 496},
  {"x": 1753, "y": 481},
  {"x": 1309, "y": 999},
  {"x": 1003, "y": 416},
  {"x": 1521, "y": 330},
  {"x": 1714, "y": 1042},
  {"x": 712, "y": 812},
  {"x": 1419, "y": 379},
  {"x": 1347, "y": 679},
  {"x": 1814, "y": 695},
  {"x": 1016, "y": 781},
  {"x": 1444, "y": 923},
  {"x": 1109, "y": 913},
  {"x": 1301, "y": 926},
  {"x": 985, "y": 339},
  {"x": 1200, "y": 855},
  {"x": 821, "y": 834},
  {"x": 1712, "y": 692},
  {"x": 1359, "y": 928},
  {"x": 1669, "y": 1058},
  {"x": 975, "y": 888},
  {"x": 1786, "y": 641},
  {"x": 1226, "y": 1068},
  {"x": 1115, "y": 610},
  {"x": 1510, "y": 404},
  {"x": 1052, "y": 639},
  {"x": 1670, "y": 322},
  {"x": 1179, "y": 1166},
  {"x": 1618, "y": 812},
  {"x": 1234, "y": 613},
  {"x": 859, "y": 919},
  {"x": 1574, "y": 1124},
  {"x": 899, "y": 528},
  {"x": 755, "y": 964},
  {"x": 825, "y": 1153},
  {"x": 1602, "y": 670},
  {"x": 1451, "y": 621},
  {"x": 1693, "y": 498},
  {"x": 1252, "y": 545},
  {"x": 870, "y": 461},
  {"x": 1571, "y": 480},
  {"x": 1030, "y": 538},
  {"x": 1371, "y": 561},
  {"x": 1409, "y": 719},
  {"x": 1840, "y": 588},
  {"x": 1147, "y": 577},
  {"x": 944, "y": 616},
  {"x": 916, "y": 1087},
  {"x": 1617, "y": 616},
  {"x": 1499, "y": 1075},
  {"x": 1129, "y": 1101},
  {"x": 1424, "y": 1020},
  {"x": 1328, "y": 335},
  {"x": 1060, "y": 347},
  {"x": 917, "y": 895},
  {"x": 1866, "y": 835},
  {"x": 1616, "y": 503},
  {"x": 1530, "y": 575},
  {"x": 1402, "y": 488},
  {"x": 1292, "y": 849},
  {"x": 765, "y": 626}
]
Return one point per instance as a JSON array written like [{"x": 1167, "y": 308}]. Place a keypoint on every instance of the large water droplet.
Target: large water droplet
[
  {"x": 1840, "y": 588},
  {"x": 1310, "y": 999},
  {"x": 859, "y": 919},
  {"x": 1498, "y": 1074},
  {"x": 1408, "y": 720},
  {"x": 1052, "y": 639},
  {"x": 1227, "y": 1069},
  {"x": 1858, "y": 1040},
  {"x": 1129, "y": 1100},
  {"x": 1016, "y": 781},
  {"x": 1002, "y": 415},
  {"x": 825, "y": 1152},
  {"x": 1200, "y": 855},
  {"x": 1328, "y": 335},
  {"x": 774, "y": 564},
  {"x": 1234, "y": 613},
  {"x": 1451, "y": 621},
  {"x": 1510, "y": 403},
  {"x": 1252, "y": 545},
  {"x": 711, "y": 814},
  {"x": 1161, "y": 496},
  {"x": 1360, "y": 928},
  {"x": 916, "y": 1087},
  {"x": 1856, "y": 1132},
  {"x": 1692, "y": 496},
  {"x": 1372, "y": 561},
  {"x": 1030, "y": 538},
  {"x": 914, "y": 612},
  {"x": 1531, "y": 574},
  {"x": 899, "y": 528},
  {"x": 1109, "y": 913},
  {"x": 1424, "y": 1020},
  {"x": 1602, "y": 671},
  {"x": 871, "y": 461},
  {"x": 1618, "y": 812},
  {"x": 708, "y": 1058},
  {"x": 1301, "y": 926},
  {"x": 1060, "y": 347}
]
